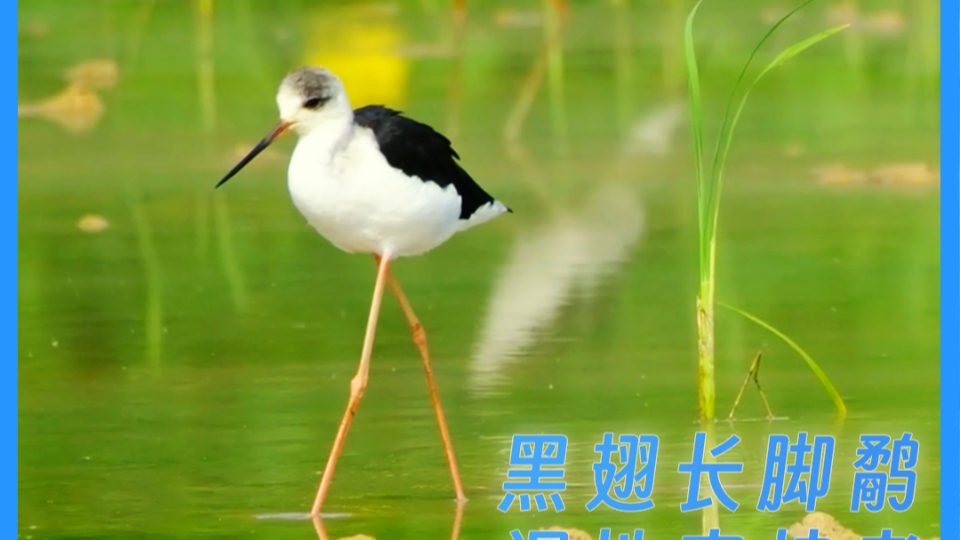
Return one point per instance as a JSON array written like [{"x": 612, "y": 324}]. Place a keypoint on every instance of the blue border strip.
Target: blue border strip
[
  {"x": 10, "y": 294},
  {"x": 949, "y": 273}
]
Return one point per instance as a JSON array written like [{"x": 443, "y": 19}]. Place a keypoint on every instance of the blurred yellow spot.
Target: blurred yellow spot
[
  {"x": 839, "y": 175},
  {"x": 827, "y": 525},
  {"x": 573, "y": 534},
  {"x": 37, "y": 29},
  {"x": 361, "y": 45},
  {"x": 894, "y": 175},
  {"x": 93, "y": 224},
  {"x": 772, "y": 14},
  {"x": 906, "y": 174},
  {"x": 76, "y": 109},
  {"x": 842, "y": 13},
  {"x": 887, "y": 22},
  {"x": 94, "y": 74},
  {"x": 794, "y": 150}
]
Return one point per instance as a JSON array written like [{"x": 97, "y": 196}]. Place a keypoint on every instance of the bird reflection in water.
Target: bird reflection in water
[
  {"x": 570, "y": 254},
  {"x": 574, "y": 249}
]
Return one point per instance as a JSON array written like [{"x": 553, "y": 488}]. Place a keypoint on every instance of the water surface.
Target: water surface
[{"x": 183, "y": 371}]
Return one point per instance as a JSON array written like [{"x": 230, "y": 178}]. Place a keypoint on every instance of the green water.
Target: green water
[{"x": 182, "y": 373}]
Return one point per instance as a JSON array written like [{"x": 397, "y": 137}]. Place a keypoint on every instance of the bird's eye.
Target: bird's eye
[{"x": 312, "y": 103}]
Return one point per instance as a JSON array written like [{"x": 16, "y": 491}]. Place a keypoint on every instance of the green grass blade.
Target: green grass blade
[
  {"x": 787, "y": 54},
  {"x": 798, "y": 48},
  {"x": 824, "y": 380},
  {"x": 743, "y": 73},
  {"x": 696, "y": 128}
]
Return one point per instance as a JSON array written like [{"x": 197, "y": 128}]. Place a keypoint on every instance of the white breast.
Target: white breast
[{"x": 347, "y": 191}]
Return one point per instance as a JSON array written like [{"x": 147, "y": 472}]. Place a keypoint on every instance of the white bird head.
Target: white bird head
[{"x": 308, "y": 99}]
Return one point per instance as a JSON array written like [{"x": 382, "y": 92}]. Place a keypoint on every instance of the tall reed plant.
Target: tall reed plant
[{"x": 709, "y": 188}]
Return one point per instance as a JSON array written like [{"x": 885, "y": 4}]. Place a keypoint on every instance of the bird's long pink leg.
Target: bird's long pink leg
[
  {"x": 420, "y": 340},
  {"x": 457, "y": 521},
  {"x": 318, "y": 527},
  {"x": 357, "y": 386}
]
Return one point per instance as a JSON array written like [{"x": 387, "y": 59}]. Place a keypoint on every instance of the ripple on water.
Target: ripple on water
[{"x": 298, "y": 516}]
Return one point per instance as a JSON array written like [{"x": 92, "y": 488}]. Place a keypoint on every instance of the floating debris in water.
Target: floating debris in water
[
  {"x": 574, "y": 534},
  {"x": 828, "y": 527},
  {"x": 92, "y": 223},
  {"x": 906, "y": 174},
  {"x": 77, "y": 109},
  {"x": 840, "y": 175},
  {"x": 101, "y": 73},
  {"x": 895, "y": 175}
]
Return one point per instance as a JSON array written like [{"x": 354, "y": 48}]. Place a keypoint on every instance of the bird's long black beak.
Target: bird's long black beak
[{"x": 280, "y": 128}]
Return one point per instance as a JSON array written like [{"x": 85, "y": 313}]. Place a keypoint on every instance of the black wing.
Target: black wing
[{"x": 418, "y": 150}]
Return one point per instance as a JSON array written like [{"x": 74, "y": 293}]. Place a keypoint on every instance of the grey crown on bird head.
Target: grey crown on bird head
[{"x": 313, "y": 83}]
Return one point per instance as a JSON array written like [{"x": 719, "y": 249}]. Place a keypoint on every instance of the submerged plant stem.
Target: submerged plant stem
[
  {"x": 153, "y": 310},
  {"x": 228, "y": 254},
  {"x": 705, "y": 339},
  {"x": 553, "y": 35}
]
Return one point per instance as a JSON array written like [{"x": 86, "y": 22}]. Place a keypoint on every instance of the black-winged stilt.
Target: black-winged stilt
[{"x": 373, "y": 181}]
